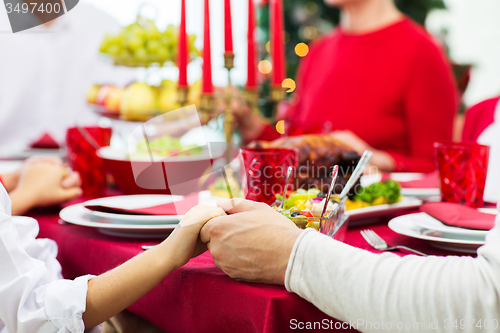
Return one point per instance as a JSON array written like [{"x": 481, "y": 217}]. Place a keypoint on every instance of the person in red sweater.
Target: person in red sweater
[{"x": 377, "y": 82}]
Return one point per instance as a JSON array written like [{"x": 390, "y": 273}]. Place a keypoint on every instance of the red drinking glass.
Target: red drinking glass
[
  {"x": 81, "y": 143},
  {"x": 265, "y": 172},
  {"x": 462, "y": 171}
]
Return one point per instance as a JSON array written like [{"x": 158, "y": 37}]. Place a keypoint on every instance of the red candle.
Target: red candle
[
  {"x": 252, "y": 52},
  {"x": 228, "y": 30},
  {"x": 277, "y": 42},
  {"x": 207, "y": 85},
  {"x": 182, "y": 51}
]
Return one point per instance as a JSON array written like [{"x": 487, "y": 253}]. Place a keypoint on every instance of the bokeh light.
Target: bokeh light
[
  {"x": 268, "y": 47},
  {"x": 311, "y": 8},
  {"x": 289, "y": 84},
  {"x": 265, "y": 67},
  {"x": 301, "y": 49},
  {"x": 280, "y": 127},
  {"x": 310, "y": 32}
]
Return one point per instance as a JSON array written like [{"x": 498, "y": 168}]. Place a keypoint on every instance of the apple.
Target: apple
[
  {"x": 102, "y": 93},
  {"x": 112, "y": 99},
  {"x": 138, "y": 101}
]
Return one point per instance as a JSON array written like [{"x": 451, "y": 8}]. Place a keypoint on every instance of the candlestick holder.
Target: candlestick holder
[
  {"x": 228, "y": 114},
  {"x": 229, "y": 61},
  {"x": 252, "y": 97},
  {"x": 206, "y": 106},
  {"x": 182, "y": 95},
  {"x": 278, "y": 93}
]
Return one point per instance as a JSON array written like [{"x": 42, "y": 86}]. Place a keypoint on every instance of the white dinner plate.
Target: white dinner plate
[
  {"x": 9, "y": 166},
  {"x": 140, "y": 201},
  {"x": 78, "y": 214},
  {"x": 365, "y": 215},
  {"x": 420, "y": 192},
  {"x": 428, "y": 222},
  {"x": 403, "y": 177},
  {"x": 367, "y": 180},
  {"x": 30, "y": 152},
  {"x": 405, "y": 225},
  {"x": 133, "y": 202}
]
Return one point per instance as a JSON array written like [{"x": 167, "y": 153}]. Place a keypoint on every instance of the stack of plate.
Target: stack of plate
[
  {"x": 424, "y": 226},
  {"x": 125, "y": 225},
  {"x": 430, "y": 194}
]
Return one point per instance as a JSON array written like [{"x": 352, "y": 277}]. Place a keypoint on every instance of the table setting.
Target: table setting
[
  {"x": 117, "y": 218},
  {"x": 181, "y": 148},
  {"x": 95, "y": 235}
]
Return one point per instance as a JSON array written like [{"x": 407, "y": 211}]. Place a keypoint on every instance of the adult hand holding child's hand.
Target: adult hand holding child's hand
[
  {"x": 185, "y": 238},
  {"x": 253, "y": 243}
]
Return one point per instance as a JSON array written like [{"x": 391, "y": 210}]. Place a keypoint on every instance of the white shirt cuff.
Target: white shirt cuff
[
  {"x": 294, "y": 267},
  {"x": 66, "y": 301}
]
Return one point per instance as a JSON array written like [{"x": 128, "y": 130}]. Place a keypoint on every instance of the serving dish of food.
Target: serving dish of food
[
  {"x": 370, "y": 202},
  {"x": 317, "y": 156},
  {"x": 161, "y": 165}
]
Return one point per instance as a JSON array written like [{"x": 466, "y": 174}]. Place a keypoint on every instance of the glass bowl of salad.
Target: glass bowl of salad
[{"x": 305, "y": 211}]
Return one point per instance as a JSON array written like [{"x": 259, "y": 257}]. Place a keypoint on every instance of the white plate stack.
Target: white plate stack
[
  {"x": 425, "y": 227},
  {"x": 128, "y": 225}
]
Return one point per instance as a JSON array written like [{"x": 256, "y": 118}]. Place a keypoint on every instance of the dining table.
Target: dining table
[{"x": 199, "y": 297}]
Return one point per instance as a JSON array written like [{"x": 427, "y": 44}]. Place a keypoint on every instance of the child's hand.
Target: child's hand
[
  {"x": 185, "y": 238},
  {"x": 11, "y": 180},
  {"x": 42, "y": 183}
]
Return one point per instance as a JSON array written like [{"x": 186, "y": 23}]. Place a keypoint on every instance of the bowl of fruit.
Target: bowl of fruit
[
  {"x": 138, "y": 101},
  {"x": 142, "y": 44}
]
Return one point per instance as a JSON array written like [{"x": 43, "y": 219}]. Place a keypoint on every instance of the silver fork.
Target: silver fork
[{"x": 378, "y": 243}]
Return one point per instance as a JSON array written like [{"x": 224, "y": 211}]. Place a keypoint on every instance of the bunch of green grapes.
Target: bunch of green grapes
[{"x": 142, "y": 44}]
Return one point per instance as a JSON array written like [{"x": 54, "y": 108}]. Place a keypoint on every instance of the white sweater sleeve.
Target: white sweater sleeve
[
  {"x": 33, "y": 298},
  {"x": 404, "y": 294}
]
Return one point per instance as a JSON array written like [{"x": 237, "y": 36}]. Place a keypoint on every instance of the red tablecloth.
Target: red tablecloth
[{"x": 197, "y": 297}]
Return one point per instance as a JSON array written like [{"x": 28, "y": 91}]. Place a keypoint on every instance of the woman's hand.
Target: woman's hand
[
  {"x": 356, "y": 143},
  {"x": 44, "y": 183},
  {"x": 248, "y": 122},
  {"x": 185, "y": 238},
  {"x": 381, "y": 160}
]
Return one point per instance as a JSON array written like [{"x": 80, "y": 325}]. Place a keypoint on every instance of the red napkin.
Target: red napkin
[
  {"x": 45, "y": 141},
  {"x": 457, "y": 215},
  {"x": 178, "y": 208}
]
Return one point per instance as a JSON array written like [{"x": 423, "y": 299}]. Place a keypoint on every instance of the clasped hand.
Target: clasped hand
[
  {"x": 248, "y": 240},
  {"x": 41, "y": 181}
]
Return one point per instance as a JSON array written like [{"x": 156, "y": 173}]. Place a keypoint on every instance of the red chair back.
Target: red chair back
[{"x": 478, "y": 117}]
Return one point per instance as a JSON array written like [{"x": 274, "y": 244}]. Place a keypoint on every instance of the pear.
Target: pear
[
  {"x": 168, "y": 99},
  {"x": 92, "y": 93},
  {"x": 195, "y": 93},
  {"x": 138, "y": 101}
]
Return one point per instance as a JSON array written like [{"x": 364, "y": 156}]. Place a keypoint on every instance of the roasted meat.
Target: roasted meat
[{"x": 318, "y": 154}]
